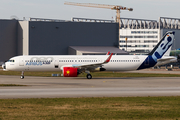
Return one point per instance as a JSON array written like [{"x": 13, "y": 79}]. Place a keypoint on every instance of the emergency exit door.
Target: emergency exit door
[{"x": 21, "y": 61}]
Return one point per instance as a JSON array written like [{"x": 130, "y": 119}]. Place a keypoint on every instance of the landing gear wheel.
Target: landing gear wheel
[
  {"x": 89, "y": 76},
  {"x": 22, "y": 77}
]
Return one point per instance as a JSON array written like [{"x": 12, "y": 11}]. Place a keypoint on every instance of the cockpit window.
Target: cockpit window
[{"x": 11, "y": 61}]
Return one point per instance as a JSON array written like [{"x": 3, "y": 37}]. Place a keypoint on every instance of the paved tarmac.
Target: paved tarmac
[
  {"x": 159, "y": 71},
  {"x": 60, "y": 87}
]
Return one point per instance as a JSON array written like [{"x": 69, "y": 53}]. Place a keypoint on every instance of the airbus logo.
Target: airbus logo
[
  {"x": 38, "y": 63},
  {"x": 34, "y": 63}
]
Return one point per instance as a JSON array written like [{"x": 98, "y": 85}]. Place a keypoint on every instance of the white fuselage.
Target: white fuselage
[{"x": 56, "y": 62}]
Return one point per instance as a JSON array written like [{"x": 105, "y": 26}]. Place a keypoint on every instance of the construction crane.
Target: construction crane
[{"x": 112, "y": 7}]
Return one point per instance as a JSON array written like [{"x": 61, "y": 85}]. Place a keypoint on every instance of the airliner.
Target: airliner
[{"x": 73, "y": 65}]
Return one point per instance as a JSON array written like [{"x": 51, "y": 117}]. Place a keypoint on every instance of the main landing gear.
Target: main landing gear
[
  {"x": 22, "y": 75},
  {"x": 89, "y": 76}
]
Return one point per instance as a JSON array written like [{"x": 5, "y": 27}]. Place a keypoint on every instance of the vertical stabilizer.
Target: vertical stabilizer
[{"x": 163, "y": 48}]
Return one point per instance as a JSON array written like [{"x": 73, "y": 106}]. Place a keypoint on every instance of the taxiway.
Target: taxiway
[{"x": 60, "y": 87}]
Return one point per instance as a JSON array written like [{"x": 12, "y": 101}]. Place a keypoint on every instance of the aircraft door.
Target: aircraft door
[
  {"x": 56, "y": 63},
  {"x": 21, "y": 61}
]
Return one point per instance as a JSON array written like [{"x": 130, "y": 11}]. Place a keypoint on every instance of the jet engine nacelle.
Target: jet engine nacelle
[{"x": 70, "y": 72}]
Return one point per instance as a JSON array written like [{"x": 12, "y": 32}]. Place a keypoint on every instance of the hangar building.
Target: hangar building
[
  {"x": 54, "y": 37},
  {"x": 8, "y": 39},
  {"x": 139, "y": 36}
]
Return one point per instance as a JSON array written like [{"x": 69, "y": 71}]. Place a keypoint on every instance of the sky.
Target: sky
[{"x": 55, "y": 9}]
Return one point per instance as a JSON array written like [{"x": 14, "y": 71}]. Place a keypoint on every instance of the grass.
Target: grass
[
  {"x": 44, "y": 74},
  {"x": 126, "y": 108},
  {"x": 94, "y": 74}
]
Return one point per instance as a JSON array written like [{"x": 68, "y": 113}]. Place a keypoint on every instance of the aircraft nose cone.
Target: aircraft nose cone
[{"x": 4, "y": 66}]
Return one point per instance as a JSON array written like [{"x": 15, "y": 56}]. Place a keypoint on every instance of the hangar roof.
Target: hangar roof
[{"x": 98, "y": 50}]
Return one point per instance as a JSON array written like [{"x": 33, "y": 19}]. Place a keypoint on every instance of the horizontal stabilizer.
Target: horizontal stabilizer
[{"x": 165, "y": 59}]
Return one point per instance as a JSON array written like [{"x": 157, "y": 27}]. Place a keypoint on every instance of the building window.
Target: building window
[
  {"x": 144, "y": 32},
  {"x": 141, "y": 45},
  {"x": 138, "y": 36}
]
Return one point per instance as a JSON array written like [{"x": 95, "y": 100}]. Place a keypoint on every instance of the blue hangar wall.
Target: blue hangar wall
[
  {"x": 8, "y": 39},
  {"x": 54, "y": 38}
]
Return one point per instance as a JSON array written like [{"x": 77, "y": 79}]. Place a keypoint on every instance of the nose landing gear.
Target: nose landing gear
[
  {"x": 22, "y": 75},
  {"x": 4, "y": 66}
]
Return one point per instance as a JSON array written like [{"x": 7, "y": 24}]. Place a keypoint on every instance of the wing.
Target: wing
[{"x": 91, "y": 66}]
